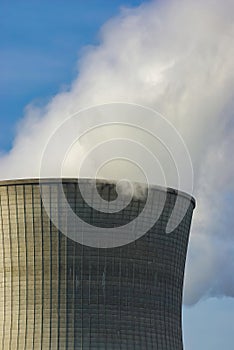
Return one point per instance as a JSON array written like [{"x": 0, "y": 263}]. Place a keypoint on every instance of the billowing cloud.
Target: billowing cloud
[{"x": 175, "y": 57}]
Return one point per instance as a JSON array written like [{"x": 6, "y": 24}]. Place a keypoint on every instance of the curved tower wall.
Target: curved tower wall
[{"x": 58, "y": 294}]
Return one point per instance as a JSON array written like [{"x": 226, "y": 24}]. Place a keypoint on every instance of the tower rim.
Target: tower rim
[{"x": 54, "y": 180}]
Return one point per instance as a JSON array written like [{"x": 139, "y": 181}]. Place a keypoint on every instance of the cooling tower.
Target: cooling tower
[{"x": 56, "y": 293}]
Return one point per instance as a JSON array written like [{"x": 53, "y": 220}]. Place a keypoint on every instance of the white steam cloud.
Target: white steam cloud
[{"x": 175, "y": 57}]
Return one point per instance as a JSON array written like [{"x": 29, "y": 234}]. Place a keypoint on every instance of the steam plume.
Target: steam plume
[{"x": 176, "y": 57}]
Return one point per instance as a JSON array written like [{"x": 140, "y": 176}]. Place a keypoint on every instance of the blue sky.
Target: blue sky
[
  {"x": 40, "y": 43},
  {"x": 209, "y": 325}
]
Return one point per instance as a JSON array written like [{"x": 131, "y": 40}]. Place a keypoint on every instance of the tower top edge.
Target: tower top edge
[{"x": 54, "y": 180}]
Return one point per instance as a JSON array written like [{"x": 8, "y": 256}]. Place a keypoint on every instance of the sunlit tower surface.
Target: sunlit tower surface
[{"x": 56, "y": 293}]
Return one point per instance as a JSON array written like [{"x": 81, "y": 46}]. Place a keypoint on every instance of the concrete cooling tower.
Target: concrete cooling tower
[{"x": 57, "y": 293}]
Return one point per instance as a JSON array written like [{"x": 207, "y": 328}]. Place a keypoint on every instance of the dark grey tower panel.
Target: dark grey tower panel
[{"x": 58, "y": 294}]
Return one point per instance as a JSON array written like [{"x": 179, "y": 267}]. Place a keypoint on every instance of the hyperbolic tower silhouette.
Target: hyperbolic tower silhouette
[{"x": 56, "y": 293}]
